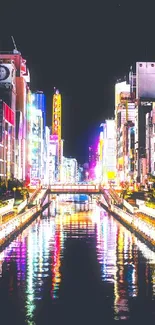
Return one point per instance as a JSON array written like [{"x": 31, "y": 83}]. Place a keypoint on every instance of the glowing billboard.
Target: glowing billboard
[
  {"x": 56, "y": 116},
  {"x": 36, "y": 145},
  {"x": 145, "y": 74},
  {"x": 7, "y": 73},
  {"x": 20, "y": 64}
]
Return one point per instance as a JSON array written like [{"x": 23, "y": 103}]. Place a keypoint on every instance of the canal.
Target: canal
[{"x": 73, "y": 263}]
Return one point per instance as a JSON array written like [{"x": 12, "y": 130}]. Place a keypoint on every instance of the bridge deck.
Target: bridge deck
[{"x": 74, "y": 189}]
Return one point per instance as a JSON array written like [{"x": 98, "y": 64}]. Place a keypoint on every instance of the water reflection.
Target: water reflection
[
  {"x": 127, "y": 263},
  {"x": 56, "y": 263},
  {"x": 81, "y": 255}
]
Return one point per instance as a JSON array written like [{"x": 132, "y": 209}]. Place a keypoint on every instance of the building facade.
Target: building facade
[{"x": 7, "y": 118}]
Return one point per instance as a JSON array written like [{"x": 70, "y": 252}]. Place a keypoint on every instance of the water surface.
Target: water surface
[{"x": 77, "y": 262}]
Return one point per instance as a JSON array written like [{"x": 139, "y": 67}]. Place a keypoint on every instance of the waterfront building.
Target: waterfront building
[
  {"x": 108, "y": 157},
  {"x": 142, "y": 80},
  {"x": 13, "y": 91},
  {"x": 70, "y": 170},
  {"x": 46, "y": 151},
  {"x": 125, "y": 113},
  {"x": 53, "y": 148},
  {"x": 35, "y": 163},
  {"x": 7, "y": 117}
]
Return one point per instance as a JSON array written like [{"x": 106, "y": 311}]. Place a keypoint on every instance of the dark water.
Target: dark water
[{"x": 76, "y": 266}]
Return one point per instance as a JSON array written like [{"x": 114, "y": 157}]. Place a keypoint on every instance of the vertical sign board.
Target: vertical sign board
[{"x": 1, "y": 121}]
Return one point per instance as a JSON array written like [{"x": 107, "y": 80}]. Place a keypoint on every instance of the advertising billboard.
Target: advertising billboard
[
  {"x": 7, "y": 73},
  {"x": 39, "y": 103},
  {"x": 56, "y": 116},
  {"x": 20, "y": 64},
  {"x": 36, "y": 145},
  {"x": 125, "y": 97},
  {"x": 145, "y": 75},
  {"x": 9, "y": 114}
]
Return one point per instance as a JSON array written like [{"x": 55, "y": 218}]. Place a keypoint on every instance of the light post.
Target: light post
[{"x": 14, "y": 189}]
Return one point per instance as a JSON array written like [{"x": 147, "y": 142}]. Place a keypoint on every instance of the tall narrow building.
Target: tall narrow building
[{"x": 56, "y": 132}]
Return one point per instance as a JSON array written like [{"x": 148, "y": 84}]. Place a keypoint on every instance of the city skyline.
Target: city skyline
[
  {"x": 82, "y": 50},
  {"x": 33, "y": 152}
]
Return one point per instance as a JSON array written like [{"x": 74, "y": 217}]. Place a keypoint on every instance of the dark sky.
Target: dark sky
[{"x": 81, "y": 47}]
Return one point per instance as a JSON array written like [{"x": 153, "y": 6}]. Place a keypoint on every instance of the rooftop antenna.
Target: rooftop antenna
[{"x": 15, "y": 47}]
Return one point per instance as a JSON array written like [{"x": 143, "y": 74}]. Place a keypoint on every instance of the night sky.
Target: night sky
[{"x": 82, "y": 48}]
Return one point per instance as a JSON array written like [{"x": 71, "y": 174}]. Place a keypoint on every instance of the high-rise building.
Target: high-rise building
[
  {"x": 109, "y": 152},
  {"x": 56, "y": 131},
  {"x": 70, "y": 170},
  {"x": 34, "y": 162},
  {"x": 145, "y": 96},
  {"x": 14, "y": 93},
  {"x": 39, "y": 101},
  {"x": 124, "y": 116},
  {"x": 7, "y": 117},
  {"x": 53, "y": 149},
  {"x": 46, "y": 155},
  {"x": 93, "y": 160}
]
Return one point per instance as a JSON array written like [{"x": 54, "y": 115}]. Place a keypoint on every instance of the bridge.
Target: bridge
[
  {"x": 108, "y": 197},
  {"x": 74, "y": 189}
]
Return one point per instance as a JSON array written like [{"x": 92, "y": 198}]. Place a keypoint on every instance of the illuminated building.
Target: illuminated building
[
  {"x": 35, "y": 164},
  {"x": 53, "y": 148},
  {"x": 56, "y": 131},
  {"x": 131, "y": 151},
  {"x": 14, "y": 93},
  {"x": 93, "y": 160},
  {"x": 150, "y": 144},
  {"x": 134, "y": 116},
  {"x": 18, "y": 144},
  {"x": 37, "y": 146},
  {"x": 39, "y": 102},
  {"x": 7, "y": 117},
  {"x": 80, "y": 173},
  {"x": 7, "y": 137},
  {"x": 144, "y": 85},
  {"x": 108, "y": 150},
  {"x": 150, "y": 141},
  {"x": 128, "y": 146},
  {"x": 124, "y": 117},
  {"x": 46, "y": 155},
  {"x": 70, "y": 170}
]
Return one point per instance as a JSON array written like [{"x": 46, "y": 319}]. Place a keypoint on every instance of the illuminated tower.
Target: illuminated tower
[{"x": 56, "y": 129}]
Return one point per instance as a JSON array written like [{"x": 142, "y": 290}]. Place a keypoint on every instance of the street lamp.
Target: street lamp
[{"x": 14, "y": 189}]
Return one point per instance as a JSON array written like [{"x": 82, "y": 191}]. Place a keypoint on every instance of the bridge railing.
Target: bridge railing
[{"x": 89, "y": 188}]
